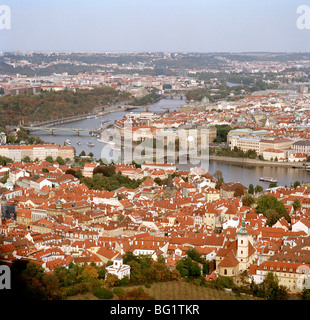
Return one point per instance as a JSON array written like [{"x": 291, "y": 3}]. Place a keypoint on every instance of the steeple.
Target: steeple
[
  {"x": 242, "y": 231},
  {"x": 243, "y": 246}
]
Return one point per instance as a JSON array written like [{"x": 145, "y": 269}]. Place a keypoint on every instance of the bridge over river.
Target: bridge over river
[{"x": 53, "y": 129}]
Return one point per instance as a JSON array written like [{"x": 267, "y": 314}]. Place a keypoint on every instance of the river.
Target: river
[{"x": 245, "y": 174}]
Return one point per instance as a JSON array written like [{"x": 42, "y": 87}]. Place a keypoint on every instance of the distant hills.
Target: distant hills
[{"x": 42, "y": 64}]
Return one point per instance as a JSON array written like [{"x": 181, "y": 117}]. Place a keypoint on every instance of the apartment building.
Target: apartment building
[
  {"x": 275, "y": 143},
  {"x": 40, "y": 152},
  {"x": 302, "y": 146},
  {"x": 260, "y": 144},
  {"x": 245, "y": 143}
]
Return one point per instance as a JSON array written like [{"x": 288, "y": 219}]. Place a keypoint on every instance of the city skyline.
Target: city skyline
[{"x": 156, "y": 26}]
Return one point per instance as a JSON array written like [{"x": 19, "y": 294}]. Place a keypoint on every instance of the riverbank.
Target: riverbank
[
  {"x": 240, "y": 170},
  {"x": 256, "y": 162},
  {"x": 107, "y": 110},
  {"x": 96, "y": 112}
]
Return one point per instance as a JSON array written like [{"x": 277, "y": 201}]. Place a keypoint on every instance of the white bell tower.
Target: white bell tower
[{"x": 243, "y": 246}]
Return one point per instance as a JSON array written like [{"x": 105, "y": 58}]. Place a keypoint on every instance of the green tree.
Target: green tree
[
  {"x": 111, "y": 280},
  {"x": 273, "y": 184},
  {"x": 5, "y": 178},
  {"x": 305, "y": 295},
  {"x": 267, "y": 202},
  {"x": 4, "y": 161},
  {"x": 195, "y": 255},
  {"x": 103, "y": 293},
  {"x": 248, "y": 200},
  {"x": 251, "y": 189},
  {"x": 128, "y": 257},
  {"x": 296, "y": 184},
  {"x": 49, "y": 159},
  {"x": 221, "y": 132},
  {"x": 188, "y": 267},
  {"x": 26, "y": 159},
  {"x": 272, "y": 217},
  {"x": 223, "y": 282},
  {"x": 60, "y": 160},
  {"x": 34, "y": 270},
  {"x": 72, "y": 171},
  {"x": 258, "y": 189},
  {"x": 10, "y": 139},
  {"x": 296, "y": 204},
  {"x": 89, "y": 273},
  {"x": 158, "y": 181},
  {"x": 51, "y": 283},
  {"x": 107, "y": 171},
  {"x": 270, "y": 289}
]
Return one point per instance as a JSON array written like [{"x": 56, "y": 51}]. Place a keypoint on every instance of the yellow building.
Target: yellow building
[{"x": 294, "y": 276}]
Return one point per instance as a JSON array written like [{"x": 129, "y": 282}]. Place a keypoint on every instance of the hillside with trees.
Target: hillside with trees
[{"x": 53, "y": 105}]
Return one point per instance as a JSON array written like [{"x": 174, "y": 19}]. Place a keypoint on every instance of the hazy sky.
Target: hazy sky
[{"x": 155, "y": 25}]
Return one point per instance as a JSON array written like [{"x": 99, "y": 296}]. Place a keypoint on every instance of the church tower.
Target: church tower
[{"x": 243, "y": 246}]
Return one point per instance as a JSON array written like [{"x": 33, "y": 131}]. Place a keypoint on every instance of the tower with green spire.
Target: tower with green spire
[
  {"x": 242, "y": 231},
  {"x": 243, "y": 246}
]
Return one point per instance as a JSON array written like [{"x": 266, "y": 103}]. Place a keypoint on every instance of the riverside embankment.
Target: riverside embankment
[{"x": 256, "y": 162}]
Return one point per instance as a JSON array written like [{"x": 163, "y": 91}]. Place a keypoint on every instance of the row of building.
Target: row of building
[{"x": 36, "y": 152}]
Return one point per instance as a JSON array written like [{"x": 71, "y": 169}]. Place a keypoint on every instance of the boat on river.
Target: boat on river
[{"x": 268, "y": 179}]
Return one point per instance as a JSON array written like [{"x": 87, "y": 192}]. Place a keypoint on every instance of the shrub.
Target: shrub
[
  {"x": 83, "y": 287},
  {"x": 103, "y": 293},
  {"x": 223, "y": 282},
  {"x": 120, "y": 292},
  {"x": 72, "y": 291}
]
